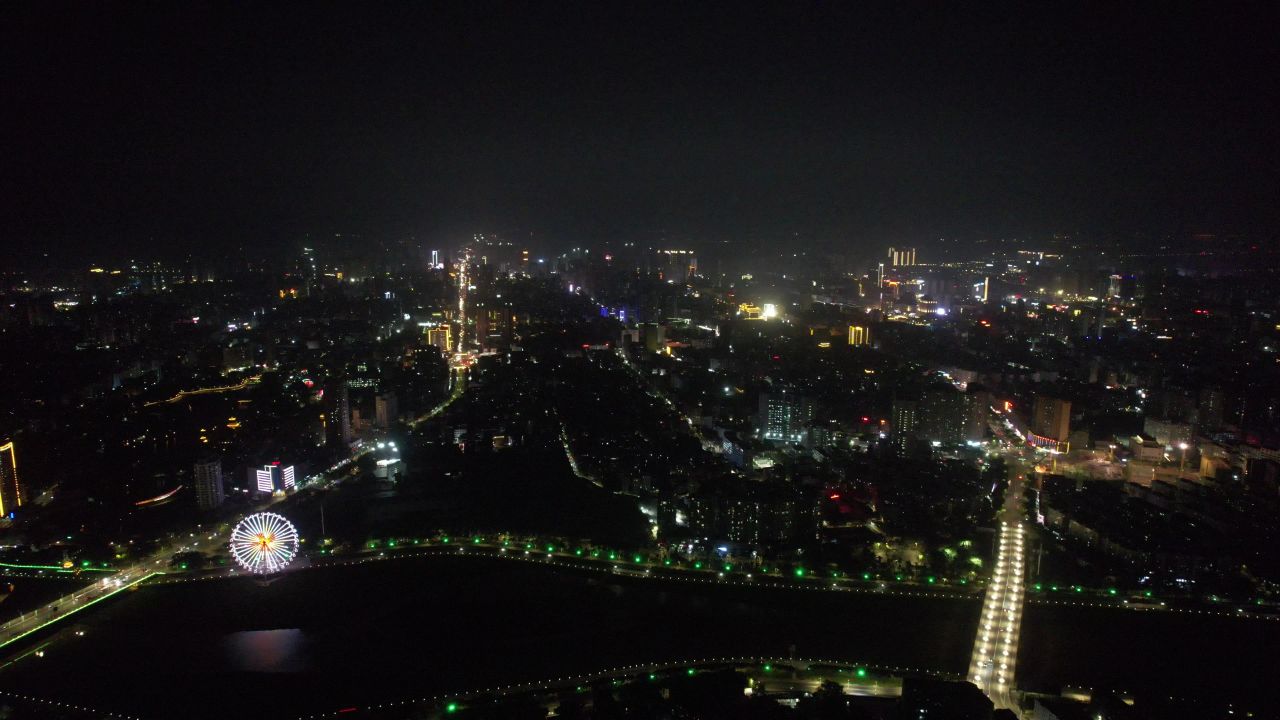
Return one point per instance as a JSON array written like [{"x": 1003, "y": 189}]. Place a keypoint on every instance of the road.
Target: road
[
  {"x": 126, "y": 578},
  {"x": 995, "y": 648}
]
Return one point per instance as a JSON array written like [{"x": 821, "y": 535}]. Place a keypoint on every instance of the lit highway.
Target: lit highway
[
  {"x": 126, "y": 578},
  {"x": 995, "y": 648}
]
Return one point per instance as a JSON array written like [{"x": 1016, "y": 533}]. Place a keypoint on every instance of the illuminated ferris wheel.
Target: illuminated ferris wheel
[{"x": 264, "y": 543}]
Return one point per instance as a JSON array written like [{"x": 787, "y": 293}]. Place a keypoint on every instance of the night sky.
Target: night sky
[{"x": 175, "y": 125}]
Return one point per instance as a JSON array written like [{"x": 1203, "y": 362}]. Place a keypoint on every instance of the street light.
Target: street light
[{"x": 1182, "y": 463}]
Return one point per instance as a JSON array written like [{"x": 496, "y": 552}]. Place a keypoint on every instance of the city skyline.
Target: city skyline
[{"x": 598, "y": 362}]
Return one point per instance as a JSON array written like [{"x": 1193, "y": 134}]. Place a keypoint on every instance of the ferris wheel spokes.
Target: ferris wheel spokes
[{"x": 264, "y": 543}]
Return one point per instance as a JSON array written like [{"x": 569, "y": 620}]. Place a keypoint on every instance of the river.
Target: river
[{"x": 326, "y": 638}]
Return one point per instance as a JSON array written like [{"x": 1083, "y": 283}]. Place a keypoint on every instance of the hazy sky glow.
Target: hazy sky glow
[{"x": 230, "y": 122}]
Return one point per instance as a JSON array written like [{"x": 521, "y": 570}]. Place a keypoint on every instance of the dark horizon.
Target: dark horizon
[{"x": 199, "y": 129}]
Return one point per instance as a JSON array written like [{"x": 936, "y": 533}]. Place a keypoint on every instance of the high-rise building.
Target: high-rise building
[
  {"x": 941, "y": 415},
  {"x": 1123, "y": 287},
  {"x": 493, "y": 326},
  {"x": 207, "y": 479},
  {"x": 947, "y": 416},
  {"x": 441, "y": 336},
  {"x": 982, "y": 289},
  {"x": 1113, "y": 286},
  {"x": 785, "y": 416},
  {"x": 386, "y": 409},
  {"x": 979, "y": 418},
  {"x": 904, "y": 420},
  {"x": 749, "y": 513},
  {"x": 859, "y": 335},
  {"x": 1210, "y": 415},
  {"x": 1167, "y": 432},
  {"x": 905, "y": 257},
  {"x": 1051, "y": 418},
  {"x": 310, "y": 269},
  {"x": 338, "y": 420},
  {"x": 10, "y": 489},
  {"x": 273, "y": 477},
  {"x": 654, "y": 336}
]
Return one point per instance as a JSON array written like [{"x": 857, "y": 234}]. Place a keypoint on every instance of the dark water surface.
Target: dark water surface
[
  {"x": 1175, "y": 654},
  {"x": 351, "y": 636},
  {"x": 328, "y": 638}
]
